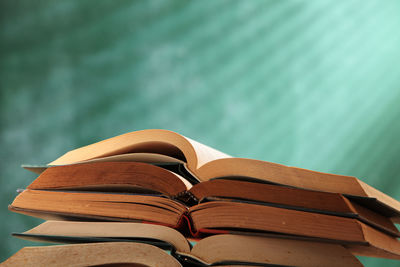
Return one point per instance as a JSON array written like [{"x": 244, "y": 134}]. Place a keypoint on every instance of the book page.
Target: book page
[
  {"x": 205, "y": 153},
  {"x": 93, "y": 254},
  {"x": 146, "y": 141},
  {"x": 156, "y": 141},
  {"x": 137, "y": 157},
  {"x": 272, "y": 251},
  {"x": 112, "y": 229},
  {"x": 293, "y": 176}
]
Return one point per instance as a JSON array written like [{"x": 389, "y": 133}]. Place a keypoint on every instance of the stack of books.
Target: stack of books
[{"x": 157, "y": 198}]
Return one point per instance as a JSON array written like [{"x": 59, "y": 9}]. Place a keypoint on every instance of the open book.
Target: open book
[
  {"x": 138, "y": 177},
  {"x": 214, "y": 217},
  {"x": 205, "y": 163},
  {"x": 216, "y": 250}
]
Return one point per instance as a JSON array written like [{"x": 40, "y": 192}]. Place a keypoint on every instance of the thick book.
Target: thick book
[
  {"x": 208, "y": 218},
  {"x": 205, "y": 163},
  {"x": 138, "y": 177},
  {"x": 226, "y": 249}
]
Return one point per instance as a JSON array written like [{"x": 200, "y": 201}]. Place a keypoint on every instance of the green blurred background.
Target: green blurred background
[{"x": 314, "y": 84}]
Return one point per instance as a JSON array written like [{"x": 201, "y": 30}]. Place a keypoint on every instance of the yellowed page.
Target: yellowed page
[
  {"x": 293, "y": 176},
  {"x": 273, "y": 251},
  {"x": 280, "y": 174},
  {"x": 134, "y": 157},
  {"x": 80, "y": 255},
  {"x": 112, "y": 229},
  {"x": 146, "y": 141},
  {"x": 205, "y": 153},
  {"x": 137, "y": 157}
]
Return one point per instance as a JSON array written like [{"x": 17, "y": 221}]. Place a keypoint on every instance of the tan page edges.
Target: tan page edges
[
  {"x": 92, "y": 254},
  {"x": 272, "y": 250}
]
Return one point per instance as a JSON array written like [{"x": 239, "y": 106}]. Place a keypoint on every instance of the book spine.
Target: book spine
[{"x": 187, "y": 198}]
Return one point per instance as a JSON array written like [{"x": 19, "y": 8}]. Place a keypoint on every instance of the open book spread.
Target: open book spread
[{"x": 183, "y": 203}]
